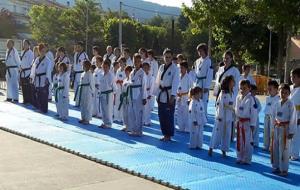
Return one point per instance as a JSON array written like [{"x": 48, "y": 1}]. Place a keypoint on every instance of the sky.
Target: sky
[{"x": 173, "y": 3}]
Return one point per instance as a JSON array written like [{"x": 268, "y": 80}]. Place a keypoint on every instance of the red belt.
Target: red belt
[
  {"x": 119, "y": 82},
  {"x": 242, "y": 120}
]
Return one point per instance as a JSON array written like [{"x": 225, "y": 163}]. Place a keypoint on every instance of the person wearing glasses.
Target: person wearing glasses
[{"x": 167, "y": 82}]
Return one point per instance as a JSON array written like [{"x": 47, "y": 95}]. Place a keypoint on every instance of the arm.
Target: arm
[
  {"x": 66, "y": 86},
  {"x": 209, "y": 74}
]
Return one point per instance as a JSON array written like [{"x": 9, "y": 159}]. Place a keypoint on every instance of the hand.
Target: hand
[
  {"x": 195, "y": 123},
  {"x": 290, "y": 136},
  {"x": 172, "y": 100},
  {"x": 144, "y": 101},
  {"x": 97, "y": 86}
]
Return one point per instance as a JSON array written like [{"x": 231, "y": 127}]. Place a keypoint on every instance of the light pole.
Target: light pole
[
  {"x": 120, "y": 26},
  {"x": 87, "y": 25},
  {"x": 270, "y": 49}
]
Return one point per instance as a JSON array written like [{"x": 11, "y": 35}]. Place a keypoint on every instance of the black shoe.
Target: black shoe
[{"x": 8, "y": 99}]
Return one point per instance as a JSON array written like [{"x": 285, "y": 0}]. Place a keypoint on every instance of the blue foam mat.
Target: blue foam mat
[{"x": 172, "y": 161}]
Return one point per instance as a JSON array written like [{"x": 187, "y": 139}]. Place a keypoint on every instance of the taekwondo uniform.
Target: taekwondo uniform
[
  {"x": 111, "y": 57},
  {"x": 256, "y": 129},
  {"x": 125, "y": 103},
  {"x": 137, "y": 93},
  {"x": 221, "y": 134},
  {"x": 198, "y": 120},
  {"x": 84, "y": 94},
  {"x": 222, "y": 73},
  {"x": 153, "y": 71},
  {"x": 79, "y": 58},
  {"x": 166, "y": 85},
  {"x": 129, "y": 62},
  {"x": 148, "y": 107},
  {"x": 62, "y": 95},
  {"x": 49, "y": 54},
  {"x": 284, "y": 124},
  {"x": 107, "y": 88},
  {"x": 182, "y": 102},
  {"x": 25, "y": 68},
  {"x": 295, "y": 142},
  {"x": 12, "y": 64},
  {"x": 246, "y": 115},
  {"x": 67, "y": 61},
  {"x": 97, "y": 103},
  {"x": 119, "y": 77},
  {"x": 204, "y": 76},
  {"x": 268, "y": 121},
  {"x": 41, "y": 75}
]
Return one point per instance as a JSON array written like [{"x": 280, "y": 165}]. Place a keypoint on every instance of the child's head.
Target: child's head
[
  {"x": 245, "y": 87},
  {"x": 146, "y": 67},
  {"x": 126, "y": 53},
  {"x": 62, "y": 67},
  {"x": 96, "y": 50},
  {"x": 180, "y": 58},
  {"x": 79, "y": 46},
  {"x": 184, "y": 67},
  {"x": 117, "y": 51},
  {"x": 137, "y": 60},
  {"x": 106, "y": 65},
  {"x": 228, "y": 84},
  {"x": 61, "y": 51},
  {"x": 253, "y": 89},
  {"x": 143, "y": 53},
  {"x": 202, "y": 50},
  {"x": 99, "y": 61},
  {"x": 116, "y": 66},
  {"x": 295, "y": 76},
  {"x": 122, "y": 62},
  {"x": 246, "y": 69},
  {"x": 284, "y": 91},
  {"x": 92, "y": 69},
  {"x": 86, "y": 65},
  {"x": 196, "y": 92},
  {"x": 150, "y": 53},
  {"x": 128, "y": 70},
  {"x": 273, "y": 87}
]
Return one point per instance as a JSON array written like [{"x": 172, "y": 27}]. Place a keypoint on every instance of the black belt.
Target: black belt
[
  {"x": 164, "y": 89},
  {"x": 77, "y": 72},
  {"x": 23, "y": 72},
  {"x": 39, "y": 76},
  {"x": 10, "y": 67}
]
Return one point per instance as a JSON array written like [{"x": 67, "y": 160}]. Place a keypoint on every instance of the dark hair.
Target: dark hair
[
  {"x": 296, "y": 72},
  {"x": 61, "y": 49},
  {"x": 229, "y": 53},
  {"x": 41, "y": 46},
  {"x": 203, "y": 47},
  {"x": 167, "y": 51},
  {"x": 246, "y": 67},
  {"x": 99, "y": 58},
  {"x": 285, "y": 86},
  {"x": 184, "y": 64},
  {"x": 93, "y": 67},
  {"x": 146, "y": 64},
  {"x": 115, "y": 63},
  {"x": 245, "y": 82},
  {"x": 143, "y": 50},
  {"x": 64, "y": 66},
  {"x": 126, "y": 50},
  {"x": 107, "y": 62},
  {"x": 225, "y": 83},
  {"x": 128, "y": 68},
  {"x": 137, "y": 56},
  {"x": 97, "y": 49},
  {"x": 195, "y": 90},
  {"x": 87, "y": 64},
  {"x": 80, "y": 43},
  {"x": 180, "y": 56},
  {"x": 27, "y": 41},
  {"x": 123, "y": 59},
  {"x": 151, "y": 52},
  {"x": 273, "y": 83},
  {"x": 253, "y": 87}
]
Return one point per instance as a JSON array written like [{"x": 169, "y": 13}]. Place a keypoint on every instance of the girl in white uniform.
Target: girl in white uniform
[
  {"x": 97, "y": 75},
  {"x": 268, "y": 121},
  {"x": 198, "y": 118},
  {"x": 85, "y": 93},
  {"x": 285, "y": 124},
  {"x": 107, "y": 88},
  {"x": 246, "y": 115},
  {"x": 182, "y": 99},
  {"x": 62, "y": 91},
  {"x": 221, "y": 134}
]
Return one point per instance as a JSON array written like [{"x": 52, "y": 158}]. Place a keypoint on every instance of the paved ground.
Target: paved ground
[{"x": 25, "y": 164}]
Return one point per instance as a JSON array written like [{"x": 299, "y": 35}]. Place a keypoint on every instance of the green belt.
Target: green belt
[
  {"x": 79, "y": 90},
  {"x": 132, "y": 87},
  {"x": 57, "y": 89},
  {"x": 107, "y": 93},
  {"x": 124, "y": 96}
]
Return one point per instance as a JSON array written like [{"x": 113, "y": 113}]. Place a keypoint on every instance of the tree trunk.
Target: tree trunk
[{"x": 280, "y": 60}]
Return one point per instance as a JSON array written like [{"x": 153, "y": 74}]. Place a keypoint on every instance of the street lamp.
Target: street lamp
[{"x": 270, "y": 49}]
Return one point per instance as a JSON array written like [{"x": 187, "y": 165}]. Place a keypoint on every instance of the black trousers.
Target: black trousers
[
  {"x": 42, "y": 98},
  {"x": 26, "y": 90},
  {"x": 166, "y": 118}
]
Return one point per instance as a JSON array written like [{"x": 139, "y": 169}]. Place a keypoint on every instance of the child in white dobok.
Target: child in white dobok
[
  {"x": 198, "y": 118},
  {"x": 221, "y": 134},
  {"x": 284, "y": 128},
  {"x": 246, "y": 115}
]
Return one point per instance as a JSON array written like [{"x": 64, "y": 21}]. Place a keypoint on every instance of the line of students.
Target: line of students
[{"x": 124, "y": 91}]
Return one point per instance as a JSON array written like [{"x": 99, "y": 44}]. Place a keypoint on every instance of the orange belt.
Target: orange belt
[
  {"x": 182, "y": 94},
  {"x": 119, "y": 82},
  {"x": 239, "y": 127},
  {"x": 280, "y": 124}
]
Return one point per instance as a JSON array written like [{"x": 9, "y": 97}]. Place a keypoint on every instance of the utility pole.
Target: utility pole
[
  {"x": 87, "y": 25},
  {"x": 173, "y": 33},
  {"x": 120, "y": 26},
  {"x": 270, "y": 50}
]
